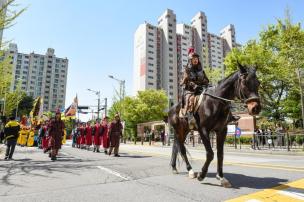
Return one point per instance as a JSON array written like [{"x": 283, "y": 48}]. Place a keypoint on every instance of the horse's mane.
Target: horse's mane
[{"x": 227, "y": 78}]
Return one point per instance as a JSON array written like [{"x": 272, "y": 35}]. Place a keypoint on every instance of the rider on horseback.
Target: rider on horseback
[{"x": 194, "y": 82}]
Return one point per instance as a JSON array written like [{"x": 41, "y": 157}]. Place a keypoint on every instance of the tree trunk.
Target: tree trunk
[{"x": 301, "y": 93}]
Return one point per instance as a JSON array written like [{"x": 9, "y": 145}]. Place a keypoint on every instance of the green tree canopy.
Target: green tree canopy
[
  {"x": 149, "y": 105},
  {"x": 278, "y": 54}
]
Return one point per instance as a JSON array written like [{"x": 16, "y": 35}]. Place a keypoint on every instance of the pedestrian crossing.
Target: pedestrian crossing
[{"x": 290, "y": 192}]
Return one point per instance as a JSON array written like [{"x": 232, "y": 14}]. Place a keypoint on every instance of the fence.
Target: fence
[{"x": 273, "y": 140}]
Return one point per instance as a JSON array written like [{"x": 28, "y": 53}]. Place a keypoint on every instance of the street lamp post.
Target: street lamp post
[
  {"x": 98, "y": 100},
  {"x": 122, "y": 84},
  {"x": 121, "y": 96}
]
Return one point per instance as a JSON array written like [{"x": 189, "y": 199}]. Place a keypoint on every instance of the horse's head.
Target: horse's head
[{"x": 247, "y": 89}]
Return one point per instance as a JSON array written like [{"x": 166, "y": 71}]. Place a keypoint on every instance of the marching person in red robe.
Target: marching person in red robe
[
  {"x": 88, "y": 136},
  {"x": 56, "y": 133},
  {"x": 104, "y": 134},
  {"x": 97, "y": 137},
  {"x": 115, "y": 133},
  {"x": 78, "y": 136},
  {"x": 45, "y": 137},
  {"x": 82, "y": 136}
]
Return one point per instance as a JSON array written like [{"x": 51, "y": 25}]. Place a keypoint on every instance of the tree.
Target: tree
[
  {"x": 149, "y": 105},
  {"x": 277, "y": 55},
  {"x": 7, "y": 18}
]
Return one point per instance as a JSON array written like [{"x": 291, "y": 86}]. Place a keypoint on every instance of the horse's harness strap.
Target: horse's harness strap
[{"x": 220, "y": 98}]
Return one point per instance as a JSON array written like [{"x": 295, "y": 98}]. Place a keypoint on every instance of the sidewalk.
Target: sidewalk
[{"x": 230, "y": 149}]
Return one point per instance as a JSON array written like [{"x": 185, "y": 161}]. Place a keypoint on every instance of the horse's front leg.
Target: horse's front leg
[
  {"x": 220, "y": 140},
  {"x": 209, "y": 153}
]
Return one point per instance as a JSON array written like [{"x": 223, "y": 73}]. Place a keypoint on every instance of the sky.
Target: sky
[{"x": 97, "y": 35}]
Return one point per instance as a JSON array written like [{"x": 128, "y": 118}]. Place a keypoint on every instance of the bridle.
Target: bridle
[{"x": 240, "y": 93}]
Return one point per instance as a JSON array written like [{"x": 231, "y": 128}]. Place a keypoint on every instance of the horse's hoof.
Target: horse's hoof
[
  {"x": 200, "y": 177},
  {"x": 192, "y": 174},
  {"x": 174, "y": 171},
  {"x": 224, "y": 182}
]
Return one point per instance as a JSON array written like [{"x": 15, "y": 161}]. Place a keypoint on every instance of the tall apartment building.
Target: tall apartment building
[
  {"x": 161, "y": 52},
  {"x": 40, "y": 75}
]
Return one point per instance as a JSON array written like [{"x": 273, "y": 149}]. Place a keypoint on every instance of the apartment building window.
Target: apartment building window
[
  {"x": 171, "y": 61},
  {"x": 151, "y": 40},
  {"x": 170, "y": 25},
  {"x": 170, "y": 55},
  {"x": 187, "y": 32},
  {"x": 170, "y": 37},
  {"x": 151, "y": 52},
  {"x": 151, "y": 34},
  {"x": 170, "y": 74},
  {"x": 150, "y": 58},
  {"x": 150, "y": 46},
  {"x": 171, "y": 87},
  {"x": 150, "y": 84},
  {"x": 170, "y": 49},
  {"x": 171, "y": 93},
  {"x": 170, "y": 30},
  {"x": 170, "y": 67},
  {"x": 62, "y": 76},
  {"x": 171, "y": 80},
  {"x": 150, "y": 77},
  {"x": 63, "y": 71},
  {"x": 150, "y": 64},
  {"x": 26, "y": 56},
  {"x": 170, "y": 43}
]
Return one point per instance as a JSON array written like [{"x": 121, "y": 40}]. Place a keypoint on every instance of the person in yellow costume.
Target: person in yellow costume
[
  {"x": 30, "y": 140},
  {"x": 64, "y": 137},
  {"x": 23, "y": 132}
]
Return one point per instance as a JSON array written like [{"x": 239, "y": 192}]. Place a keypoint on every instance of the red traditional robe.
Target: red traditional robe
[
  {"x": 56, "y": 134},
  {"x": 45, "y": 138},
  {"x": 82, "y": 135},
  {"x": 97, "y": 136},
  {"x": 88, "y": 137},
  {"x": 105, "y": 135}
]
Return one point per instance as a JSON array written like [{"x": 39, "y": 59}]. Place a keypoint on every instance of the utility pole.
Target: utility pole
[
  {"x": 105, "y": 106},
  {"x": 98, "y": 100}
]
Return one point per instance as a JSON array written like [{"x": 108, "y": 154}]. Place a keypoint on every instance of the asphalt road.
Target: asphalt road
[{"x": 142, "y": 173}]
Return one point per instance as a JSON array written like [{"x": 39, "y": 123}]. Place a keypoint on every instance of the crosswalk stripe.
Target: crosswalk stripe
[{"x": 291, "y": 192}]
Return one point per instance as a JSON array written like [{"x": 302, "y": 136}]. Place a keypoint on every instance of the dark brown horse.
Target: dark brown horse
[{"x": 212, "y": 115}]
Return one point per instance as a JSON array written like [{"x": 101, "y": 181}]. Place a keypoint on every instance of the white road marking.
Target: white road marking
[
  {"x": 293, "y": 193},
  {"x": 114, "y": 173}
]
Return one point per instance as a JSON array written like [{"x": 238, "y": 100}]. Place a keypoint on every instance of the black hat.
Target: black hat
[{"x": 195, "y": 55}]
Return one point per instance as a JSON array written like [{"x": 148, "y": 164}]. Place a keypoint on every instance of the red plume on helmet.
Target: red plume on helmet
[{"x": 190, "y": 51}]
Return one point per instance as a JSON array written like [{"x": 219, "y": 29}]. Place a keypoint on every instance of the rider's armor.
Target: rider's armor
[{"x": 194, "y": 81}]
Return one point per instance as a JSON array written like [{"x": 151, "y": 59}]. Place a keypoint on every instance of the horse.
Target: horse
[{"x": 212, "y": 114}]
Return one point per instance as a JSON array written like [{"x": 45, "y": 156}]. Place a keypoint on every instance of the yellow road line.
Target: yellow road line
[
  {"x": 293, "y": 191},
  {"x": 252, "y": 165}
]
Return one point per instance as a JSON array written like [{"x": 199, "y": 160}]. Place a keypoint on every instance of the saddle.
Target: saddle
[{"x": 197, "y": 101}]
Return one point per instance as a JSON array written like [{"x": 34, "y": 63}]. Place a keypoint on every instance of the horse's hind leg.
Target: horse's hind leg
[
  {"x": 220, "y": 139},
  {"x": 185, "y": 158},
  {"x": 174, "y": 156}
]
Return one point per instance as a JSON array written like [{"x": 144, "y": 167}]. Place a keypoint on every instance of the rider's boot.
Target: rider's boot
[{"x": 191, "y": 120}]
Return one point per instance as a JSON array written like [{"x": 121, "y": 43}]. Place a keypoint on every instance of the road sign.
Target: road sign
[{"x": 238, "y": 132}]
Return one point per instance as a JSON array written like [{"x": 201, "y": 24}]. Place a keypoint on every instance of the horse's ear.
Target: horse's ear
[{"x": 241, "y": 67}]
